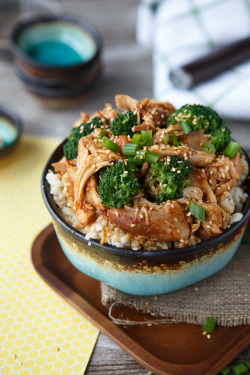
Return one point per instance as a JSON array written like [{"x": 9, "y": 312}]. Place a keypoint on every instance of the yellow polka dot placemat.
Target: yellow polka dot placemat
[{"x": 40, "y": 333}]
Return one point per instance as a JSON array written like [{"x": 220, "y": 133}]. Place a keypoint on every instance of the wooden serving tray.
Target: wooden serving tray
[{"x": 168, "y": 349}]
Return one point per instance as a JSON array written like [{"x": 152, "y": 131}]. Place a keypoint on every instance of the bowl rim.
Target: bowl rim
[
  {"x": 10, "y": 114},
  {"x": 24, "y": 24},
  {"x": 186, "y": 251}
]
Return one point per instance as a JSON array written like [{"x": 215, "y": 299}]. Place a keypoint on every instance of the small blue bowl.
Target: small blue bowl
[
  {"x": 52, "y": 52},
  {"x": 144, "y": 272},
  {"x": 10, "y": 129}
]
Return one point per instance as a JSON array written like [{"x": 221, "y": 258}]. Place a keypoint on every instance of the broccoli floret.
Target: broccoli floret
[
  {"x": 123, "y": 123},
  {"x": 118, "y": 184},
  {"x": 200, "y": 117},
  {"x": 70, "y": 149},
  {"x": 169, "y": 179}
]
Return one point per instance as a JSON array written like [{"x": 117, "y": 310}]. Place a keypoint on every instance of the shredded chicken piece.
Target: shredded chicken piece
[
  {"x": 213, "y": 219},
  {"x": 152, "y": 112},
  {"x": 62, "y": 165},
  {"x": 107, "y": 113},
  {"x": 199, "y": 179},
  {"x": 82, "y": 120},
  {"x": 196, "y": 158},
  {"x": 163, "y": 223},
  {"x": 195, "y": 139},
  {"x": 92, "y": 195},
  {"x": 193, "y": 193},
  {"x": 161, "y": 133},
  {"x": 120, "y": 140},
  {"x": 84, "y": 212}
]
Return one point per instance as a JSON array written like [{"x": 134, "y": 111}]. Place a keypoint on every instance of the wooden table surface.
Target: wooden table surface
[{"x": 127, "y": 70}]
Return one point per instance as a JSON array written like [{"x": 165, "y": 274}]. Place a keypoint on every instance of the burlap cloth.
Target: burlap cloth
[{"x": 224, "y": 296}]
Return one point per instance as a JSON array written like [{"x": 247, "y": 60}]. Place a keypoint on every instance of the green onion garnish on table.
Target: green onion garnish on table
[
  {"x": 247, "y": 363},
  {"x": 173, "y": 139},
  {"x": 225, "y": 371},
  {"x": 208, "y": 147},
  {"x": 107, "y": 143},
  {"x": 232, "y": 149},
  {"x": 129, "y": 149},
  {"x": 197, "y": 211},
  {"x": 240, "y": 369},
  {"x": 185, "y": 127},
  {"x": 209, "y": 325}
]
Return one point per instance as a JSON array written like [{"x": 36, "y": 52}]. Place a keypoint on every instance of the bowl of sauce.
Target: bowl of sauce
[
  {"x": 10, "y": 129},
  {"x": 51, "y": 51}
]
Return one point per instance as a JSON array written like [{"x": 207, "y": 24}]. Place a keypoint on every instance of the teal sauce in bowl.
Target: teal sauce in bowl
[
  {"x": 8, "y": 132},
  {"x": 57, "y": 43},
  {"x": 54, "y": 53},
  {"x": 10, "y": 129}
]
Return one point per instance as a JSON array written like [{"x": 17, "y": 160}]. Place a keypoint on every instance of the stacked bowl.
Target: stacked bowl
[{"x": 57, "y": 56}]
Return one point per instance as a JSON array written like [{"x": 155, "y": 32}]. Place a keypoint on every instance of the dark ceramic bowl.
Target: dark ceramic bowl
[
  {"x": 10, "y": 129},
  {"x": 144, "y": 272},
  {"x": 52, "y": 52}
]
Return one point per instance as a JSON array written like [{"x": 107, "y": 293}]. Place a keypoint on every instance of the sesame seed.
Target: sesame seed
[
  {"x": 209, "y": 336},
  {"x": 176, "y": 219},
  {"x": 132, "y": 225},
  {"x": 204, "y": 333}
]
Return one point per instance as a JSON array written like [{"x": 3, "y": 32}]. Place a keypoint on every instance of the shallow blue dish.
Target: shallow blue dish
[
  {"x": 10, "y": 129},
  {"x": 56, "y": 56},
  {"x": 144, "y": 272}
]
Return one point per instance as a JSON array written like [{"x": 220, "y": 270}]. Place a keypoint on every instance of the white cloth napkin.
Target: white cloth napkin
[{"x": 179, "y": 32}]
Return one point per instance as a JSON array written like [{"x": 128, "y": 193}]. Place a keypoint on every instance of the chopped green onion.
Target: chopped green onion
[
  {"x": 185, "y": 127},
  {"x": 208, "y": 147},
  {"x": 197, "y": 211},
  {"x": 151, "y": 157},
  {"x": 139, "y": 140},
  {"x": 240, "y": 369},
  {"x": 107, "y": 143},
  {"x": 147, "y": 134},
  {"x": 210, "y": 322},
  {"x": 136, "y": 160},
  {"x": 247, "y": 363},
  {"x": 129, "y": 149},
  {"x": 173, "y": 139},
  {"x": 225, "y": 371},
  {"x": 231, "y": 149},
  {"x": 102, "y": 133}
]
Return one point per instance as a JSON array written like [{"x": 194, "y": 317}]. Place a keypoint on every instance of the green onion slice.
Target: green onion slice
[
  {"x": 151, "y": 157},
  {"x": 102, "y": 133},
  {"x": 173, "y": 139},
  {"x": 210, "y": 323},
  {"x": 136, "y": 160},
  {"x": 208, "y": 147},
  {"x": 232, "y": 149},
  {"x": 185, "y": 127},
  {"x": 129, "y": 149},
  {"x": 247, "y": 363},
  {"x": 139, "y": 140},
  {"x": 147, "y": 134},
  {"x": 107, "y": 143},
  {"x": 197, "y": 211},
  {"x": 240, "y": 369},
  {"x": 225, "y": 371}
]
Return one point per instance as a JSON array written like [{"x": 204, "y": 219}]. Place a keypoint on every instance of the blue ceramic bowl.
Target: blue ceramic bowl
[
  {"x": 144, "y": 272},
  {"x": 55, "y": 54},
  {"x": 10, "y": 129}
]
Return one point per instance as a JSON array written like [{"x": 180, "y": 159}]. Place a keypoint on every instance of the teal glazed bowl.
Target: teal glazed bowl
[
  {"x": 144, "y": 272},
  {"x": 56, "y": 55},
  {"x": 10, "y": 129}
]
